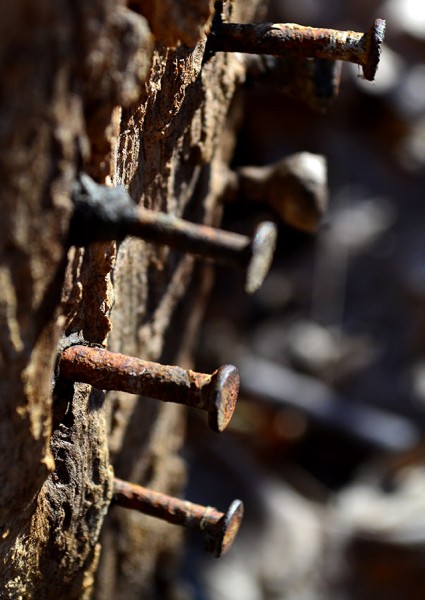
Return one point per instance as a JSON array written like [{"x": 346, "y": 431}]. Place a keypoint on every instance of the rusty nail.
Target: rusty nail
[
  {"x": 295, "y": 188},
  {"x": 220, "y": 529},
  {"x": 216, "y": 393},
  {"x": 313, "y": 81},
  {"x": 283, "y": 39},
  {"x": 102, "y": 213}
]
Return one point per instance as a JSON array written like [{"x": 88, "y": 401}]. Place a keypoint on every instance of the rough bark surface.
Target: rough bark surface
[{"x": 72, "y": 98}]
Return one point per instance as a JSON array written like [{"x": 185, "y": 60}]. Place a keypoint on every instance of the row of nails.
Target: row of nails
[
  {"x": 97, "y": 219},
  {"x": 286, "y": 39},
  {"x": 219, "y": 529},
  {"x": 214, "y": 393}
]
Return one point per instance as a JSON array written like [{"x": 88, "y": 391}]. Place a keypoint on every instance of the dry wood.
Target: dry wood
[{"x": 73, "y": 97}]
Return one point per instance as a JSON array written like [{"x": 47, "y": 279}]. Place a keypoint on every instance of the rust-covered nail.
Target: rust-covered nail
[
  {"x": 216, "y": 393},
  {"x": 282, "y": 39},
  {"x": 102, "y": 213},
  {"x": 295, "y": 188},
  {"x": 313, "y": 81},
  {"x": 219, "y": 529}
]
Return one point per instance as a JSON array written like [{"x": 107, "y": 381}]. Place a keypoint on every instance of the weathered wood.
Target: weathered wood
[
  {"x": 170, "y": 156},
  {"x": 69, "y": 70}
]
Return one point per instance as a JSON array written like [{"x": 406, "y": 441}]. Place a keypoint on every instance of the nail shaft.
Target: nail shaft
[
  {"x": 216, "y": 393},
  {"x": 219, "y": 528},
  {"x": 103, "y": 213},
  {"x": 282, "y": 39}
]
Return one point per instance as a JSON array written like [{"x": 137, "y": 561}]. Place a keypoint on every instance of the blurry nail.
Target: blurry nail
[
  {"x": 313, "y": 81},
  {"x": 216, "y": 393},
  {"x": 283, "y": 39},
  {"x": 219, "y": 529},
  {"x": 294, "y": 187},
  {"x": 102, "y": 213},
  {"x": 280, "y": 386}
]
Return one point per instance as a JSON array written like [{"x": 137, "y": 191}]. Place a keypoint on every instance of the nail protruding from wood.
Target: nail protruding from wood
[
  {"x": 219, "y": 529},
  {"x": 283, "y": 39},
  {"x": 313, "y": 81},
  {"x": 215, "y": 393},
  {"x": 295, "y": 188},
  {"x": 102, "y": 213}
]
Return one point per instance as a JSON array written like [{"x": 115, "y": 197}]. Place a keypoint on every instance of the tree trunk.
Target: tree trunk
[{"x": 73, "y": 99}]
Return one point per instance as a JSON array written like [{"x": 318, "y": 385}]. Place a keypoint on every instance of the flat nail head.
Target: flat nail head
[
  {"x": 375, "y": 39},
  {"x": 223, "y": 396},
  {"x": 262, "y": 248},
  {"x": 227, "y": 529}
]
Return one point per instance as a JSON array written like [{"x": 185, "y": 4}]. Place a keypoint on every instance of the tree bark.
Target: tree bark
[{"x": 73, "y": 98}]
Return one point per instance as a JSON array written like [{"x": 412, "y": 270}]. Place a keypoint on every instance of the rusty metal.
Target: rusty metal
[
  {"x": 214, "y": 393},
  {"x": 102, "y": 213},
  {"x": 295, "y": 188},
  {"x": 313, "y": 81},
  {"x": 283, "y": 39},
  {"x": 219, "y": 529}
]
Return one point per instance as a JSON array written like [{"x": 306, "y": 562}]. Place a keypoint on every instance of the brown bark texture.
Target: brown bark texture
[{"x": 86, "y": 86}]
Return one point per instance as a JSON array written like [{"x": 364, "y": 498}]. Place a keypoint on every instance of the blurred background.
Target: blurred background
[{"x": 326, "y": 445}]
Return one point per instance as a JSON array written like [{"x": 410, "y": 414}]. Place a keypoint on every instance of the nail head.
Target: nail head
[
  {"x": 262, "y": 249},
  {"x": 374, "y": 48},
  {"x": 224, "y": 395},
  {"x": 228, "y": 528}
]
